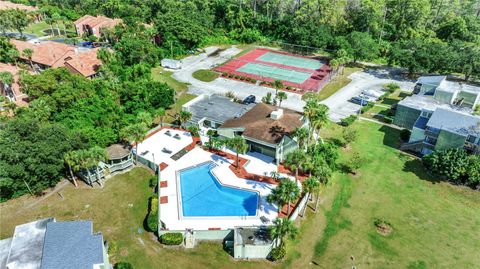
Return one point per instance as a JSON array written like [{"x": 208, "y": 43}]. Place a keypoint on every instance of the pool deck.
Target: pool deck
[
  {"x": 169, "y": 212},
  {"x": 152, "y": 149}
]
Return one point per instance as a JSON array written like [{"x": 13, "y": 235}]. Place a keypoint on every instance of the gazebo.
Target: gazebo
[{"x": 120, "y": 159}]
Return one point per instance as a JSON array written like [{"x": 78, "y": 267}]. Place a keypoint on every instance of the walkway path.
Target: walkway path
[{"x": 382, "y": 123}]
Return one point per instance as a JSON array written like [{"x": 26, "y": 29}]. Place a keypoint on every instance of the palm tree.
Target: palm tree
[
  {"x": 291, "y": 191},
  {"x": 238, "y": 144},
  {"x": 28, "y": 53},
  {"x": 55, "y": 19},
  {"x": 210, "y": 134},
  {"x": 49, "y": 21},
  {"x": 136, "y": 133},
  {"x": 145, "y": 118},
  {"x": 281, "y": 228},
  {"x": 320, "y": 119},
  {"x": 301, "y": 134},
  {"x": 73, "y": 162},
  {"x": 281, "y": 96},
  {"x": 84, "y": 161},
  {"x": 309, "y": 110},
  {"x": 161, "y": 114},
  {"x": 97, "y": 155},
  {"x": 295, "y": 160},
  {"x": 310, "y": 185},
  {"x": 6, "y": 79},
  {"x": 278, "y": 85},
  {"x": 183, "y": 117},
  {"x": 277, "y": 196}
]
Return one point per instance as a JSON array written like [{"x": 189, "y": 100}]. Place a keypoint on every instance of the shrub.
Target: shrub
[
  {"x": 289, "y": 88},
  {"x": 277, "y": 253},
  {"x": 230, "y": 94},
  {"x": 253, "y": 80},
  {"x": 391, "y": 87},
  {"x": 243, "y": 78},
  {"x": 224, "y": 74},
  {"x": 112, "y": 247},
  {"x": 237, "y": 77},
  {"x": 152, "y": 182},
  {"x": 152, "y": 217},
  {"x": 171, "y": 238},
  {"x": 405, "y": 135},
  {"x": 348, "y": 121},
  {"x": 231, "y": 75},
  {"x": 123, "y": 265}
]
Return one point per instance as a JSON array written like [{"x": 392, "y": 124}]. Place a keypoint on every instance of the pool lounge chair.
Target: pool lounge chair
[
  {"x": 168, "y": 133},
  {"x": 177, "y": 136},
  {"x": 165, "y": 150},
  {"x": 264, "y": 220}
]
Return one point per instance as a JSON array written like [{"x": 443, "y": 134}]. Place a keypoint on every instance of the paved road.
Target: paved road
[
  {"x": 338, "y": 103},
  {"x": 221, "y": 85}
]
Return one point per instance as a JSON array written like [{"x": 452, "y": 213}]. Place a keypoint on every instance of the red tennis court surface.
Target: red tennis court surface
[{"x": 318, "y": 78}]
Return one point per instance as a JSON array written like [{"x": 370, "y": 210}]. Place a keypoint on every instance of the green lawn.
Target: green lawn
[
  {"x": 205, "y": 75},
  {"x": 37, "y": 28},
  {"x": 435, "y": 224},
  {"x": 338, "y": 82}
]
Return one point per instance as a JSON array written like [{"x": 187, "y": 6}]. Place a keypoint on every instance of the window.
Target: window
[
  {"x": 426, "y": 114},
  {"x": 471, "y": 139},
  {"x": 431, "y": 140}
]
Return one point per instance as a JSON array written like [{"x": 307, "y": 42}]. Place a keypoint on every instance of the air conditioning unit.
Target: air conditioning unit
[{"x": 277, "y": 114}]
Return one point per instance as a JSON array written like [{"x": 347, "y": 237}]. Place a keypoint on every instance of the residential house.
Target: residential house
[
  {"x": 267, "y": 129},
  {"x": 93, "y": 25},
  {"x": 439, "y": 114},
  {"x": 31, "y": 10},
  {"x": 119, "y": 159},
  {"x": 51, "y": 244},
  {"x": 211, "y": 111},
  {"x": 51, "y": 54},
  {"x": 12, "y": 92}
]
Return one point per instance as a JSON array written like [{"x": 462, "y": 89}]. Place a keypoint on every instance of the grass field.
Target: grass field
[
  {"x": 37, "y": 28},
  {"x": 205, "y": 75},
  {"x": 435, "y": 224},
  {"x": 338, "y": 82},
  {"x": 182, "y": 97}
]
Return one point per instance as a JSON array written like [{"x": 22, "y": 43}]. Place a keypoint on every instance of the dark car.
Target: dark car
[
  {"x": 249, "y": 100},
  {"x": 359, "y": 100}
]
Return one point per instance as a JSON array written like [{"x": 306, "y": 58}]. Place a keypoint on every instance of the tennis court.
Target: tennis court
[
  {"x": 274, "y": 72},
  {"x": 288, "y": 60}
]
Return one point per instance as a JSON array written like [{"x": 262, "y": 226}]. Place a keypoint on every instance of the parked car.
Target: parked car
[
  {"x": 249, "y": 100},
  {"x": 359, "y": 100}
]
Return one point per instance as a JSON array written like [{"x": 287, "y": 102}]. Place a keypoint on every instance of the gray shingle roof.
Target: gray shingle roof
[
  {"x": 71, "y": 244},
  {"x": 455, "y": 122},
  {"x": 217, "y": 108},
  {"x": 26, "y": 245}
]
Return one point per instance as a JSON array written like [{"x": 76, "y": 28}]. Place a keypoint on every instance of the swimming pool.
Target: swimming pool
[{"x": 203, "y": 196}]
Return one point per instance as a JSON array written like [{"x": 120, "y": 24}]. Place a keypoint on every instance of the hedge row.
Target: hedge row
[
  {"x": 348, "y": 121},
  {"x": 171, "y": 238},
  {"x": 152, "y": 217},
  {"x": 242, "y": 78}
]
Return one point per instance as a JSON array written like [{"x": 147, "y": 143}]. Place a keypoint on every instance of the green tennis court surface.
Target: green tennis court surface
[
  {"x": 274, "y": 72},
  {"x": 290, "y": 60}
]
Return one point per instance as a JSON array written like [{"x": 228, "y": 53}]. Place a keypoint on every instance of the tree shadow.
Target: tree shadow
[
  {"x": 391, "y": 137},
  {"x": 416, "y": 167}
]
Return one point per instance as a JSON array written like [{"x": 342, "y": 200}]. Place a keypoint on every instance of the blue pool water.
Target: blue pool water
[{"x": 203, "y": 196}]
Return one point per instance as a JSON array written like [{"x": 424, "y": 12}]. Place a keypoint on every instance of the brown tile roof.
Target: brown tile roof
[
  {"x": 10, "y": 5},
  {"x": 99, "y": 21},
  {"x": 22, "y": 99},
  {"x": 117, "y": 151},
  {"x": 85, "y": 63},
  {"x": 47, "y": 53},
  {"x": 54, "y": 54},
  {"x": 258, "y": 125}
]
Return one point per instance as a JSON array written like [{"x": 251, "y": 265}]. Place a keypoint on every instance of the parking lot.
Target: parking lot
[{"x": 339, "y": 104}]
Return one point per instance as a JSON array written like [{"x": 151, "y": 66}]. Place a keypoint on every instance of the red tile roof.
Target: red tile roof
[
  {"x": 86, "y": 63},
  {"x": 10, "y": 5},
  {"x": 54, "y": 54}
]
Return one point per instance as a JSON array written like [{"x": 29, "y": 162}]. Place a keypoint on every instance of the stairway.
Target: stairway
[
  {"x": 189, "y": 239},
  {"x": 413, "y": 146}
]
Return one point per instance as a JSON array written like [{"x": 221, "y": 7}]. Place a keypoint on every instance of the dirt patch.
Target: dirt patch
[{"x": 383, "y": 227}]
